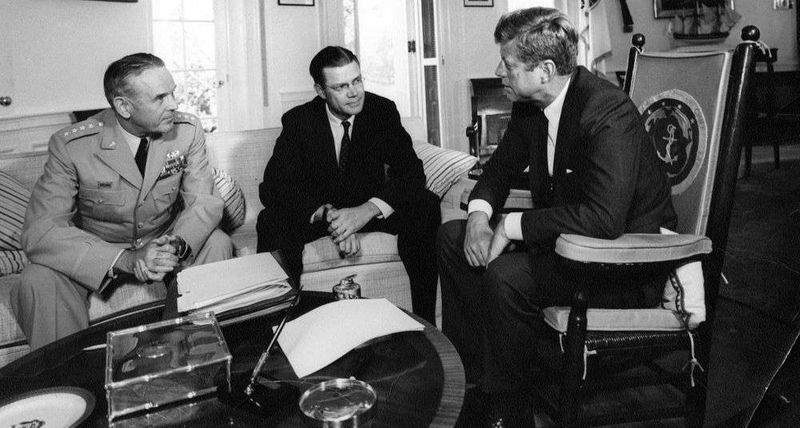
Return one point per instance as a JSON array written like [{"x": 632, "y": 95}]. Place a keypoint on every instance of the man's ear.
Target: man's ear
[
  {"x": 550, "y": 70},
  {"x": 123, "y": 107},
  {"x": 320, "y": 91}
]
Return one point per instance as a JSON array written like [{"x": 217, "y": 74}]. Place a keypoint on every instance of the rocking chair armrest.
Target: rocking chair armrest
[{"x": 632, "y": 248}]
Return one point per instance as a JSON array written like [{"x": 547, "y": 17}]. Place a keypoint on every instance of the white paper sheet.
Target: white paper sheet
[{"x": 321, "y": 336}]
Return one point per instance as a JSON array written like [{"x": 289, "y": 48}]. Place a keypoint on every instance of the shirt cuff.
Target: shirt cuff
[
  {"x": 479, "y": 205},
  {"x": 513, "y": 225},
  {"x": 384, "y": 208}
]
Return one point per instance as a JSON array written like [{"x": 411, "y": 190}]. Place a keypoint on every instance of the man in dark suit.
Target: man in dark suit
[
  {"x": 343, "y": 164},
  {"x": 591, "y": 170}
]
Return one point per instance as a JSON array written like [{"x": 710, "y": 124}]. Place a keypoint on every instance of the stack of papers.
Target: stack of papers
[
  {"x": 321, "y": 336},
  {"x": 256, "y": 283}
]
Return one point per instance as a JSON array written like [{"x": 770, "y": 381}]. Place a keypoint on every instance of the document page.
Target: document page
[
  {"x": 323, "y": 335},
  {"x": 205, "y": 285}
]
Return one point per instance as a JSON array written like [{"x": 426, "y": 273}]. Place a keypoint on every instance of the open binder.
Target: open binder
[{"x": 236, "y": 289}]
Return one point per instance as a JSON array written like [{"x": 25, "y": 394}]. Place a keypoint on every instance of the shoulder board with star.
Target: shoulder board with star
[
  {"x": 183, "y": 117},
  {"x": 89, "y": 126}
]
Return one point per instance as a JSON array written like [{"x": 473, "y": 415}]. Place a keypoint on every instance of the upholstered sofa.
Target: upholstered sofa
[{"x": 239, "y": 158}]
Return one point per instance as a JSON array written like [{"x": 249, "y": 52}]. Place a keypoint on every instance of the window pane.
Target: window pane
[
  {"x": 349, "y": 8},
  {"x": 166, "y": 9},
  {"x": 198, "y": 10},
  {"x": 196, "y": 93},
  {"x": 428, "y": 30},
  {"x": 168, "y": 44},
  {"x": 199, "y": 45}
]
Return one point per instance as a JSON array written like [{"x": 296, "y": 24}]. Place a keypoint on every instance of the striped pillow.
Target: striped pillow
[
  {"x": 443, "y": 167},
  {"x": 13, "y": 200},
  {"x": 234, "y": 210},
  {"x": 12, "y": 261}
]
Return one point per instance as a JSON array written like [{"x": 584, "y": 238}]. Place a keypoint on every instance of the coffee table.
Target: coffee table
[{"x": 418, "y": 376}]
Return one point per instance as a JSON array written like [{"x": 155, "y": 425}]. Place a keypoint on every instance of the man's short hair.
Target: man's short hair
[
  {"x": 538, "y": 34},
  {"x": 115, "y": 81},
  {"x": 330, "y": 56}
]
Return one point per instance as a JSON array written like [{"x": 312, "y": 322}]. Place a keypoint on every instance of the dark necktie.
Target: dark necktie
[
  {"x": 141, "y": 155},
  {"x": 345, "y": 144}
]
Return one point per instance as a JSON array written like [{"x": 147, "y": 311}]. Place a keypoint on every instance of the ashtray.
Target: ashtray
[{"x": 339, "y": 402}]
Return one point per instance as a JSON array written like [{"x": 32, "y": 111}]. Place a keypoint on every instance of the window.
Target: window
[{"x": 184, "y": 37}]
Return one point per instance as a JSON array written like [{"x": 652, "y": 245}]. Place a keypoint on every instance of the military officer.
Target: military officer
[{"x": 126, "y": 195}]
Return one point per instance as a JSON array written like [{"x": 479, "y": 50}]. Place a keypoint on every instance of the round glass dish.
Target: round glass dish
[{"x": 338, "y": 400}]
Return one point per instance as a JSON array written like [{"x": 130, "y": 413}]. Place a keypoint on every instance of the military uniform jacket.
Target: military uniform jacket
[{"x": 91, "y": 201}]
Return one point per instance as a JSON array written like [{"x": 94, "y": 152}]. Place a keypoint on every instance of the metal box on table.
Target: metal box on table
[{"x": 164, "y": 362}]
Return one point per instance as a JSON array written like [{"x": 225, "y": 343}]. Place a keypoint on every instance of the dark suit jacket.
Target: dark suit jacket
[
  {"x": 606, "y": 179},
  {"x": 302, "y": 173}
]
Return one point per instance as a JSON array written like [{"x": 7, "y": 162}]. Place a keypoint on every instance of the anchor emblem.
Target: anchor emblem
[{"x": 670, "y": 140}]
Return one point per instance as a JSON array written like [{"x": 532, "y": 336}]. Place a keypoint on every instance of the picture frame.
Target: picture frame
[
  {"x": 664, "y": 9},
  {"x": 295, "y": 2},
  {"x": 478, "y": 3}
]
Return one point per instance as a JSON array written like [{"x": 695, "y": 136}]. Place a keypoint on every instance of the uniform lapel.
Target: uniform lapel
[{"x": 116, "y": 153}]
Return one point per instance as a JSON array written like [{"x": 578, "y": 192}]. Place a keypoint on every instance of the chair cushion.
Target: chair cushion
[
  {"x": 688, "y": 292},
  {"x": 616, "y": 319},
  {"x": 234, "y": 209},
  {"x": 443, "y": 167}
]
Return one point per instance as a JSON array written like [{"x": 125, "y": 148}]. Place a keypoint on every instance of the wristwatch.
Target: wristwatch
[{"x": 184, "y": 251}]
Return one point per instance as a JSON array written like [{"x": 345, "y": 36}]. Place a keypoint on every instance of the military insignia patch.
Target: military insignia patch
[
  {"x": 176, "y": 162},
  {"x": 678, "y": 131}
]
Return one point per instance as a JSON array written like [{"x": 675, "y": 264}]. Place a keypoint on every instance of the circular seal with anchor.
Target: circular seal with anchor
[{"x": 678, "y": 131}]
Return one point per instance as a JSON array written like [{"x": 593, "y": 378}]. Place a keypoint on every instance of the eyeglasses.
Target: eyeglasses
[{"x": 357, "y": 83}]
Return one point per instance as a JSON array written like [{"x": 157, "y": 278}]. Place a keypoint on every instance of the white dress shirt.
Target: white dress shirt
[
  {"x": 513, "y": 221},
  {"x": 338, "y": 132}
]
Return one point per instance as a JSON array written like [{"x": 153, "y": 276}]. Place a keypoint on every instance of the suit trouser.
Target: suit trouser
[
  {"x": 493, "y": 316},
  {"x": 48, "y": 305},
  {"x": 414, "y": 224}
]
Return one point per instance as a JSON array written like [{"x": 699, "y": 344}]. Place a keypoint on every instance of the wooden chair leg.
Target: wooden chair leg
[{"x": 569, "y": 404}]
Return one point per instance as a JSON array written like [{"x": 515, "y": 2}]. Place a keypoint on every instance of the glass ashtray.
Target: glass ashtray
[{"x": 338, "y": 400}]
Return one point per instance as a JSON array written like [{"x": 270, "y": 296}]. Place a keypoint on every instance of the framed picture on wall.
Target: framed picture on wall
[
  {"x": 478, "y": 3},
  {"x": 296, "y": 2},
  {"x": 670, "y": 8}
]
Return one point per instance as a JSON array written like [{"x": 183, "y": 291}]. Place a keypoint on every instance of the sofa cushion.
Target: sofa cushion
[
  {"x": 443, "y": 167},
  {"x": 14, "y": 200},
  {"x": 234, "y": 210},
  {"x": 12, "y": 261},
  {"x": 10, "y": 332},
  {"x": 376, "y": 247}
]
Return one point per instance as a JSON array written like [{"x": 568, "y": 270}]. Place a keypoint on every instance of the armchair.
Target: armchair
[{"x": 693, "y": 106}]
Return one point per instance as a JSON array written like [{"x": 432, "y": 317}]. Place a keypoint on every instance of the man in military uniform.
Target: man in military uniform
[{"x": 126, "y": 195}]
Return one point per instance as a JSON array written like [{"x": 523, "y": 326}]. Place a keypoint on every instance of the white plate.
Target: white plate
[{"x": 50, "y": 407}]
